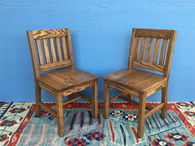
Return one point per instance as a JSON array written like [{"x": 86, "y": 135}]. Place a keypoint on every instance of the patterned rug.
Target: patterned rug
[{"x": 20, "y": 126}]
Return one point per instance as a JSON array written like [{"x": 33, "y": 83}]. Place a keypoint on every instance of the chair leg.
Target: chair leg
[
  {"x": 130, "y": 96},
  {"x": 106, "y": 100},
  {"x": 95, "y": 100},
  {"x": 38, "y": 99},
  {"x": 164, "y": 100},
  {"x": 60, "y": 118},
  {"x": 141, "y": 114},
  {"x": 71, "y": 96}
]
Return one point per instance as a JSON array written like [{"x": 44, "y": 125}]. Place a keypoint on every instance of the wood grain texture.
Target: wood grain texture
[
  {"x": 117, "y": 97},
  {"x": 170, "y": 53},
  {"x": 47, "y": 56},
  {"x": 53, "y": 52},
  {"x": 106, "y": 100},
  {"x": 156, "y": 51},
  {"x": 43, "y": 34},
  {"x": 59, "y": 49},
  {"x": 67, "y": 102},
  {"x": 40, "y": 52},
  {"x": 95, "y": 99},
  {"x": 149, "y": 52},
  {"x": 60, "y": 115},
  {"x": 163, "y": 51},
  {"x": 62, "y": 82},
  {"x": 84, "y": 97},
  {"x": 135, "y": 79},
  {"x": 152, "y": 111},
  {"x": 64, "y": 48},
  {"x": 54, "y": 65},
  {"x": 132, "y": 48},
  {"x": 149, "y": 66},
  {"x": 133, "y": 102},
  {"x": 33, "y": 54},
  {"x": 141, "y": 114},
  {"x": 164, "y": 101},
  {"x": 157, "y": 33},
  {"x": 143, "y": 52},
  {"x": 66, "y": 78},
  {"x": 75, "y": 89},
  {"x": 138, "y": 48},
  {"x": 142, "y": 84},
  {"x": 38, "y": 100},
  {"x": 69, "y": 48}
]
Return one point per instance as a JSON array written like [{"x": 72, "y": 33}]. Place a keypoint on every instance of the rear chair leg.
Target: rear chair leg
[
  {"x": 38, "y": 99},
  {"x": 95, "y": 100},
  {"x": 60, "y": 118},
  {"x": 141, "y": 114},
  {"x": 71, "y": 96},
  {"x": 106, "y": 100},
  {"x": 164, "y": 100},
  {"x": 130, "y": 96}
]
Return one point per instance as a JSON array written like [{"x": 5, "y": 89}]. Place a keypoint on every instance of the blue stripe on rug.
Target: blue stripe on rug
[
  {"x": 90, "y": 118},
  {"x": 5, "y": 110},
  {"x": 73, "y": 121},
  {"x": 82, "y": 119},
  {"x": 99, "y": 120},
  {"x": 123, "y": 133}
]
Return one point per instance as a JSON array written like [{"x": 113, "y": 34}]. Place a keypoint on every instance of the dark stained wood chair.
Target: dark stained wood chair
[
  {"x": 52, "y": 49},
  {"x": 140, "y": 83}
]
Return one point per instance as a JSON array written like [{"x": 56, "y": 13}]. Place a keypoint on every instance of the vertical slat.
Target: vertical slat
[
  {"x": 59, "y": 49},
  {"x": 40, "y": 53},
  {"x": 47, "y": 57},
  {"x": 132, "y": 48},
  {"x": 143, "y": 49},
  {"x": 64, "y": 48},
  {"x": 163, "y": 51},
  {"x": 149, "y": 52},
  {"x": 69, "y": 47},
  {"x": 53, "y": 53},
  {"x": 137, "y": 48},
  {"x": 156, "y": 50}
]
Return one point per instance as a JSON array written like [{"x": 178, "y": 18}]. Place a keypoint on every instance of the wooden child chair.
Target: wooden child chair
[
  {"x": 139, "y": 83},
  {"x": 52, "y": 49}
]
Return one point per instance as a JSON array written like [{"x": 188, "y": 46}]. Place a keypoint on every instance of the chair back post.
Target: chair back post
[
  {"x": 69, "y": 45},
  {"x": 170, "y": 53},
  {"x": 33, "y": 54},
  {"x": 132, "y": 48}
]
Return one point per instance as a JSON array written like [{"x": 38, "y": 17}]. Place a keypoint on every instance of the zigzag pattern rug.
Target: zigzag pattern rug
[{"x": 20, "y": 126}]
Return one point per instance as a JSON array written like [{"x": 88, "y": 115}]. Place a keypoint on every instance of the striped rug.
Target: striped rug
[{"x": 20, "y": 126}]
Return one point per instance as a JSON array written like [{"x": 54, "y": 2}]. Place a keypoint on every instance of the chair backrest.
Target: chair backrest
[
  {"x": 152, "y": 49},
  {"x": 50, "y": 49}
]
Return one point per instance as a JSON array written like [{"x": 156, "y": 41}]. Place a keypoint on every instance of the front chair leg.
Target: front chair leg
[
  {"x": 38, "y": 99},
  {"x": 106, "y": 100},
  {"x": 164, "y": 100},
  {"x": 60, "y": 118},
  {"x": 95, "y": 100},
  {"x": 141, "y": 114}
]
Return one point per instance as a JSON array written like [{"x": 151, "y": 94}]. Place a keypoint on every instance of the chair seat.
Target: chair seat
[
  {"x": 66, "y": 78},
  {"x": 135, "y": 79}
]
